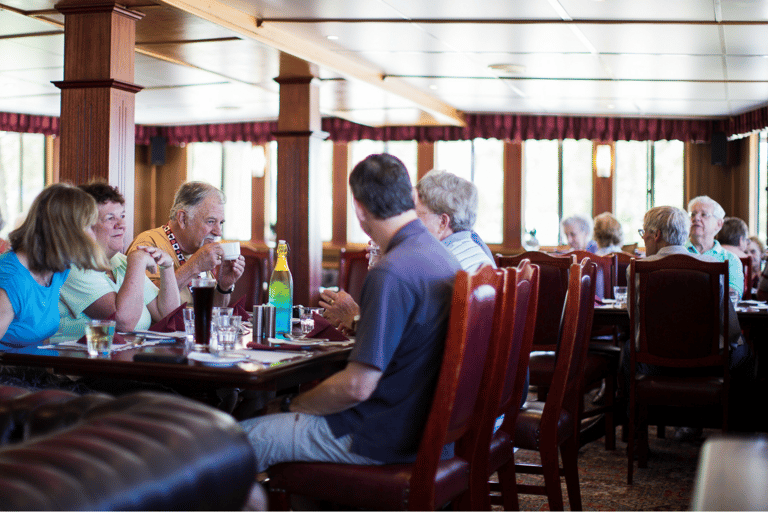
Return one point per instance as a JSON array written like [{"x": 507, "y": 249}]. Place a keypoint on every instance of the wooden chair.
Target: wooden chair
[
  {"x": 622, "y": 264},
  {"x": 254, "y": 282},
  {"x": 353, "y": 269},
  {"x": 602, "y": 361},
  {"x": 746, "y": 266},
  {"x": 429, "y": 483},
  {"x": 607, "y": 268},
  {"x": 677, "y": 320},
  {"x": 503, "y": 382},
  {"x": 554, "y": 425}
]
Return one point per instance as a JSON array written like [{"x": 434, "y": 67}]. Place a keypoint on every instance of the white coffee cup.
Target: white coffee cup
[{"x": 231, "y": 250}]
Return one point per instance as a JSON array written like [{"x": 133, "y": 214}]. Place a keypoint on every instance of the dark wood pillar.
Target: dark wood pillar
[
  {"x": 513, "y": 196},
  {"x": 340, "y": 187},
  {"x": 298, "y": 146},
  {"x": 602, "y": 187},
  {"x": 97, "y": 95},
  {"x": 425, "y": 159}
]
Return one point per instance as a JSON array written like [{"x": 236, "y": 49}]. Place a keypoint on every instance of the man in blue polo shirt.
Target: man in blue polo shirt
[{"x": 374, "y": 411}]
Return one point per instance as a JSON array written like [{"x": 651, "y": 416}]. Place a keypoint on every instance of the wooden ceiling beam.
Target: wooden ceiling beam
[{"x": 249, "y": 26}]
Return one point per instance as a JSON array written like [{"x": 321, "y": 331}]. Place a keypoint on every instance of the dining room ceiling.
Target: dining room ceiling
[{"x": 415, "y": 62}]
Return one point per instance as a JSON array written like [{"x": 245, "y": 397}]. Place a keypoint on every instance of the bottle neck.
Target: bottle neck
[{"x": 282, "y": 262}]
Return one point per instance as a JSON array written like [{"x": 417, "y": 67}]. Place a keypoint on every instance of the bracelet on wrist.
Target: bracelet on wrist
[{"x": 224, "y": 292}]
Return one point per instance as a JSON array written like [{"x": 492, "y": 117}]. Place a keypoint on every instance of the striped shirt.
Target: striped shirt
[{"x": 469, "y": 249}]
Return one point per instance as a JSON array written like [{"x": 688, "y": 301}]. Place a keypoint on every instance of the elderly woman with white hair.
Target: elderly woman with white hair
[
  {"x": 447, "y": 205},
  {"x": 578, "y": 231},
  {"x": 706, "y": 220}
]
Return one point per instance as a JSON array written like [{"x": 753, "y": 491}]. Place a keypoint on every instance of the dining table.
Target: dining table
[{"x": 259, "y": 375}]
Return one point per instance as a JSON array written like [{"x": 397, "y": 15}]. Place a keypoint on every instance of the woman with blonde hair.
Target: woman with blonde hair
[
  {"x": 608, "y": 234},
  {"x": 55, "y": 235}
]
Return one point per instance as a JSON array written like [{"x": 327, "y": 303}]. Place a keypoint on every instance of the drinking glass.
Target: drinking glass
[
  {"x": 620, "y": 294},
  {"x": 202, "y": 300},
  {"x": 189, "y": 325},
  {"x": 227, "y": 328},
  {"x": 308, "y": 319},
  {"x": 98, "y": 335}
]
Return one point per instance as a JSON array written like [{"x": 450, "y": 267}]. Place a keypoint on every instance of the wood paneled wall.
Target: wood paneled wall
[{"x": 726, "y": 184}]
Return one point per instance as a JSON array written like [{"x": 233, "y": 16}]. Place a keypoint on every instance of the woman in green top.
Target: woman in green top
[{"x": 124, "y": 290}]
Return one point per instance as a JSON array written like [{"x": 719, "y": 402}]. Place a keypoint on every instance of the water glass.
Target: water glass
[
  {"x": 620, "y": 294},
  {"x": 734, "y": 296},
  {"x": 189, "y": 325},
  {"x": 98, "y": 335},
  {"x": 307, "y": 318},
  {"x": 227, "y": 330}
]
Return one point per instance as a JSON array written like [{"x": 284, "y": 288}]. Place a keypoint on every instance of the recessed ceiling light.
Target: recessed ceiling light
[
  {"x": 228, "y": 107},
  {"x": 433, "y": 87},
  {"x": 332, "y": 38},
  {"x": 509, "y": 68},
  {"x": 611, "y": 106}
]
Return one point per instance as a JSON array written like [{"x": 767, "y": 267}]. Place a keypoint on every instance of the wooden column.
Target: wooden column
[
  {"x": 340, "y": 194},
  {"x": 726, "y": 184},
  {"x": 513, "y": 219},
  {"x": 602, "y": 188},
  {"x": 97, "y": 95},
  {"x": 426, "y": 159},
  {"x": 298, "y": 146}
]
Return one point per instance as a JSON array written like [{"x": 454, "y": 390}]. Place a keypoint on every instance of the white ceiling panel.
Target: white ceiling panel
[
  {"x": 747, "y": 68},
  {"x": 640, "y": 10},
  {"x": 750, "y": 92},
  {"x": 666, "y": 67},
  {"x": 487, "y": 9},
  {"x": 746, "y": 40},
  {"x": 427, "y": 64},
  {"x": 660, "y": 39},
  {"x": 301, "y": 9},
  {"x": 506, "y": 38},
  {"x": 12, "y": 23},
  {"x": 744, "y": 10}
]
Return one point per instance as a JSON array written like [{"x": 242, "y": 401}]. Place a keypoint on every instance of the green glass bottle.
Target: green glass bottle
[{"x": 281, "y": 290}]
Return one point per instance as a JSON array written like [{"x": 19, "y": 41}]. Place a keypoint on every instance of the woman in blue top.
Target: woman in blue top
[{"x": 55, "y": 235}]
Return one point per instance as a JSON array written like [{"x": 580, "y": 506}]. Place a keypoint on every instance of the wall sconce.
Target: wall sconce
[{"x": 603, "y": 160}]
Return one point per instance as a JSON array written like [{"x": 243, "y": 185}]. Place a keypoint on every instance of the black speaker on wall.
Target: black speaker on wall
[
  {"x": 157, "y": 150},
  {"x": 719, "y": 148}
]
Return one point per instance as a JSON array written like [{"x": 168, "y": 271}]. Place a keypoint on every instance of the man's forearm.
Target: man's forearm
[{"x": 338, "y": 392}]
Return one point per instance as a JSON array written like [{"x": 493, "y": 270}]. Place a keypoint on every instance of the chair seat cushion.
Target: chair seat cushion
[
  {"x": 501, "y": 451},
  {"x": 528, "y": 427},
  {"x": 541, "y": 365},
  {"x": 379, "y": 487},
  {"x": 602, "y": 361},
  {"x": 670, "y": 390}
]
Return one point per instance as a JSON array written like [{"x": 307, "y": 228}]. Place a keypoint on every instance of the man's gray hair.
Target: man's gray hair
[
  {"x": 189, "y": 196},
  {"x": 582, "y": 222},
  {"x": 717, "y": 210},
  {"x": 444, "y": 192},
  {"x": 673, "y": 223}
]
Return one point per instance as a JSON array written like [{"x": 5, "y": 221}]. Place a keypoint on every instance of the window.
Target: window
[
  {"x": 648, "y": 174},
  {"x": 557, "y": 184},
  {"x": 22, "y": 175},
  {"x": 480, "y": 161},
  {"x": 228, "y": 166},
  {"x": 406, "y": 151},
  {"x": 761, "y": 187}
]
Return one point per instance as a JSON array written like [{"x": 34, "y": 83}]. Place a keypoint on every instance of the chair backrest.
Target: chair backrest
[
  {"x": 565, "y": 393},
  {"x": 467, "y": 344},
  {"x": 677, "y": 310},
  {"x": 607, "y": 269},
  {"x": 623, "y": 260},
  {"x": 255, "y": 279},
  {"x": 353, "y": 269},
  {"x": 553, "y": 285},
  {"x": 746, "y": 265},
  {"x": 506, "y": 368}
]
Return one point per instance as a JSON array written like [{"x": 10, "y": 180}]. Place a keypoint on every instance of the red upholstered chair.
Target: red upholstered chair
[
  {"x": 746, "y": 266},
  {"x": 253, "y": 283},
  {"x": 429, "y": 483},
  {"x": 503, "y": 382},
  {"x": 678, "y": 318},
  {"x": 353, "y": 268},
  {"x": 554, "y": 425}
]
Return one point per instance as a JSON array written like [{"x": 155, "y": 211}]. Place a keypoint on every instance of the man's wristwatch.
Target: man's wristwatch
[{"x": 224, "y": 292}]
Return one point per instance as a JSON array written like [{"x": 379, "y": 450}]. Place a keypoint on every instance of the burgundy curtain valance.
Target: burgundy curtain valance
[
  {"x": 485, "y": 126},
  {"x": 27, "y": 123}
]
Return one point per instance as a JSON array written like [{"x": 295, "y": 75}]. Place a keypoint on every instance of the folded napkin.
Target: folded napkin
[
  {"x": 173, "y": 322},
  {"x": 324, "y": 329},
  {"x": 239, "y": 309}
]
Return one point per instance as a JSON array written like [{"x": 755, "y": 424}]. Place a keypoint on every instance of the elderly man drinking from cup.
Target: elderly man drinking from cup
[
  {"x": 196, "y": 219},
  {"x": 706, "y": 220}
]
